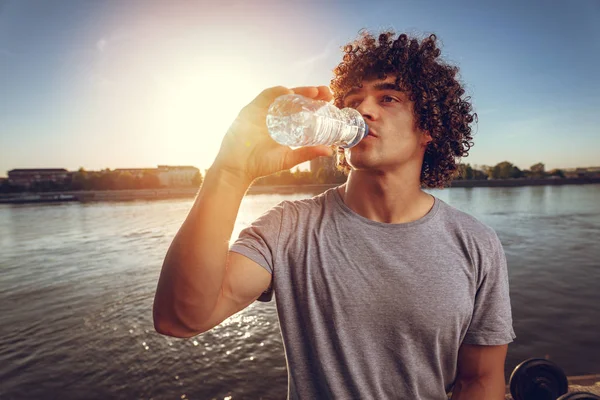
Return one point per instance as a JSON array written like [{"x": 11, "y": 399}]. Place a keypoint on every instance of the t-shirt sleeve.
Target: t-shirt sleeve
[
  {"x": 259, "y": 243},
  {"x": 491, "y": 323}
]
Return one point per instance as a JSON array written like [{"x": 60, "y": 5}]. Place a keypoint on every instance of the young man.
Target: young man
[{"x": 383, "y": 291}]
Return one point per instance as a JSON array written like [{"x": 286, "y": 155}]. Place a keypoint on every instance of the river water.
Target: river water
[{"x": 77, "y": 284}]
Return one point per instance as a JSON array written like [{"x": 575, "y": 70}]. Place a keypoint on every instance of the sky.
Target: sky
[{"x": 127, "y": 84}]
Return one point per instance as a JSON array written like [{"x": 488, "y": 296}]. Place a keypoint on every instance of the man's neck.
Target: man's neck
[{"x": 386, "y": 197}]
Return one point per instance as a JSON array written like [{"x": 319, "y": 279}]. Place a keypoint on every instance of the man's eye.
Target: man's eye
[{"x": 388, "y": 99}]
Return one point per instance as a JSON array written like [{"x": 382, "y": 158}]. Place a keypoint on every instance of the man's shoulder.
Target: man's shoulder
[
  {"x": 310, "y": 204},
  {"x": 467, "y": 224}
]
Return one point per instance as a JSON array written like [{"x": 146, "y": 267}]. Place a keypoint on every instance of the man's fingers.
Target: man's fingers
[
  {"x": 267, "y": 96},
  {"x": 314, "y": 92},
  {"x": 325, "y": 93},
  {"x": 307, "y": 91}
]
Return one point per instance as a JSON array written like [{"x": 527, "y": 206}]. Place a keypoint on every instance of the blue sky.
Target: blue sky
[{"x": 111, "y": 84}]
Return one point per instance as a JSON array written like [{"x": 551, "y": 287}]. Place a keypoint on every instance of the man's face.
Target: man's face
[{"x": 394, "y": 139}]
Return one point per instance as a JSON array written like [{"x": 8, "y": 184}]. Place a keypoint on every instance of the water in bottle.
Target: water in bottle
[{"x": 295, "y": 120}]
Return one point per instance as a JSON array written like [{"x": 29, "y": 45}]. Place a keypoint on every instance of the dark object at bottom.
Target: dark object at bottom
[
  {"x": 579, "y": 396},
  {"x": 538, "y": 379}
]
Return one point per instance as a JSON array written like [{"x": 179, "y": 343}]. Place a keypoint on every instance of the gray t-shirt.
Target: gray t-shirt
[{"x": 370, "y": 310}]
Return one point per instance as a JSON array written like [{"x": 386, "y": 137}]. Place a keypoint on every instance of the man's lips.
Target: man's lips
[{"x": 372, "y": 133}]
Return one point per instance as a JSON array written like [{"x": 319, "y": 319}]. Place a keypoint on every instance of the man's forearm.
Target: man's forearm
[
  {"x": 194, "y": 267},
  {"x": 483, "y": 388}
]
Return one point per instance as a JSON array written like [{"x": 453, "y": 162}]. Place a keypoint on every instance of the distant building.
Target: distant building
[
  {"x": 591, "y": 172},
  {"x": 176, "y": 175},
  {"x": 168, "y": 175},
  {"x": 137, "y": 172},
  {"x": 27, "y": 177},
  {"x": 594, "y": 171}
]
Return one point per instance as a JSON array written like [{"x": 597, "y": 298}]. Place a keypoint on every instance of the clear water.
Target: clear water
[
  {"x": 295, "y": 121},
  {"x": 307, "y": 129}
]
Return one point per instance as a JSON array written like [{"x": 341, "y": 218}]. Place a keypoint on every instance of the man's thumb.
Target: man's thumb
[{"x": 303, "y": 154}]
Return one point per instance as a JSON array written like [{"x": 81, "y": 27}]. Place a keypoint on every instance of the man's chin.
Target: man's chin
[{"x": 362, "y": 163}]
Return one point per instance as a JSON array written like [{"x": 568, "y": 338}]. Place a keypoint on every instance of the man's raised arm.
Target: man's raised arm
[{"x": 201, "y": 283}]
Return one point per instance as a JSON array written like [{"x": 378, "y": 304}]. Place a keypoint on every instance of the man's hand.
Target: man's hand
[{"x": 248, "y": 152}]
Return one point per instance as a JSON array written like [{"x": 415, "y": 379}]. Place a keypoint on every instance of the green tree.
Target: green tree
[
  {"x": 124, "y": 181},
  {"x": 516, "y": 173},
  {"x": 488, "y": 171},
  {"x": 504, "y": 170},
  {"x": 197, "y": 179},
  {"x": 105, "y": 180},
  {"x": 150, "y": 181},
  {"x": 79, "y": 180},
  {"x": 285, "y": 178},
  {"x": 465, "y": 171},
  {"x": 479, "y": 174},
  {"x": 538, "y": 170},
  {"x": 557, "y": 173},
  {"x": 301, "y": 177}
]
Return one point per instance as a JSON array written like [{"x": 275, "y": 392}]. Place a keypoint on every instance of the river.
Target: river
[{"x": 78, "y": 280}]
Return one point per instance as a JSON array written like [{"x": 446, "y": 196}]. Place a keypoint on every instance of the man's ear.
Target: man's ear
[{"x": 426, "y": 139}]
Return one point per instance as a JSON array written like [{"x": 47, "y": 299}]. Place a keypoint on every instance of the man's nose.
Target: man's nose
[{"x": 368, "y": 109}]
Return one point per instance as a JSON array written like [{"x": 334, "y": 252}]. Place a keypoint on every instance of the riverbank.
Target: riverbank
[
  {"x": 183, "y": 193},
  {"x": 524, "y": 182}
]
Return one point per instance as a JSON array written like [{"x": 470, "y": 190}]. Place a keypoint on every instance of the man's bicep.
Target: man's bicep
[
  {"x": 475, "y": 361},
  {"x": 244, "y": 281}
]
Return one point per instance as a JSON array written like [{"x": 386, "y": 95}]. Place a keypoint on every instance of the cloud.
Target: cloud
[{"x": 101, "y": 44}]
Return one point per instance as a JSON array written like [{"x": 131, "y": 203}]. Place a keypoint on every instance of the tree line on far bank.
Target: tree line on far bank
[
  {"x": 503, "y": 170},
  {"x": 506, "y": 170},
  {"x": 117, "y": 180},
  {"x": 105, "y": 179}
]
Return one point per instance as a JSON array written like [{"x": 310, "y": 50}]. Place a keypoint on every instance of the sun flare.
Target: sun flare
[{"x": 199, "y": 104}]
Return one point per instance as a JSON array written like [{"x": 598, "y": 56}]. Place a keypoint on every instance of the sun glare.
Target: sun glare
[{"x": 199, "y": 105}]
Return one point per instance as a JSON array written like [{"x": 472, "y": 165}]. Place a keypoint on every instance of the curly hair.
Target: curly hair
[{"x": 431, "y": 84}]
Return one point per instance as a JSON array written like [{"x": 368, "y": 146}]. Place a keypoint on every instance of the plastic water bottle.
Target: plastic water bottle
[{"x": 295, "y": 120}]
